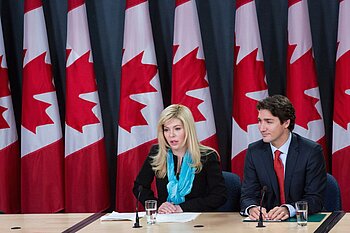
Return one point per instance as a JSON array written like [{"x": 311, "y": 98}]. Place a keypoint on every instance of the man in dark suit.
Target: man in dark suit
[{"x": 290, "y": 166}]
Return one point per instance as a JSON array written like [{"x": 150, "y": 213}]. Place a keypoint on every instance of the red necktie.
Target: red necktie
[{"x": 279, "y": 169}]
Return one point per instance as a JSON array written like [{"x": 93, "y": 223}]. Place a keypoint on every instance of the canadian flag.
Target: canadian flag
[
  {"x": 302, "y": 86},
  {"x": 41, "y": 135},
  {"x": 190, "y": 84},
  {"x": 341, "y": 114},
  {"x": 86, "y": 174},
  {"x": 10, "y": 201},
  {"x": 140, "y": 101},
  {"x": 249, "y": 82}
]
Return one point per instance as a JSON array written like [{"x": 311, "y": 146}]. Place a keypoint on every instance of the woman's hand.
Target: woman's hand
[
  {"x": 178, "y": 209},
  {"x": 166, "y": 208},
  {"x": 169, "y": 208}
]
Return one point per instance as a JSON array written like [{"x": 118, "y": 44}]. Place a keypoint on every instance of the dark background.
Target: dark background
[{"x": 106, "y": 23}]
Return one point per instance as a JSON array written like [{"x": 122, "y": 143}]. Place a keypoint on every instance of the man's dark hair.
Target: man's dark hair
[{"x": 279, "y": 106}]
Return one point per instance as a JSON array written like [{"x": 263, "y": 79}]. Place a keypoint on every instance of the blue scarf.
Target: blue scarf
[{"x": 178, "y": 189}]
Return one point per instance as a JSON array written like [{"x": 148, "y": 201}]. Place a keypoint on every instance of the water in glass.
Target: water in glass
[
  {"x": 302, "y": 217},
  {"x": 151, "y": 216}
]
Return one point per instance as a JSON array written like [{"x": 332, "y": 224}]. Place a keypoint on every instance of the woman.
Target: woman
[{"x": 188, "y": 174}]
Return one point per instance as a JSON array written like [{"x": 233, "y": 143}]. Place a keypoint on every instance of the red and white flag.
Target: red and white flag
[
  {"x": 10, "y": 201},
  {"x": 249, "y": 85},
  {"x": 302, "y": 86},
  {"x": 140, "y": 101},
  {"x": 86, "y": 174},
  {"x": 190, "y": 85},
  {"x": 341, "y": 114},
  {"x": 41, "y": 134}
]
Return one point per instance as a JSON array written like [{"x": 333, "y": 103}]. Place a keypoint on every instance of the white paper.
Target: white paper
[
  {"x": 177, "y": 217},
  {"x": 247, "y": 219},
  {"x": 116, "y": 216}
]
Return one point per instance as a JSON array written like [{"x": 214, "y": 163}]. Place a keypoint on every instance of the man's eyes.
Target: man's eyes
[{"x": 268, "y": 122}]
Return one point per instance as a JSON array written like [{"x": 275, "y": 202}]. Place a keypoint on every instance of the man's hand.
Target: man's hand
[
  {"x": 254, "y": 213},
  {"x": 278, "y": 213}
]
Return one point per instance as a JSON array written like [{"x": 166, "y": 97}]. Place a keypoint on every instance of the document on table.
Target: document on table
[
  {"x": 247, "y": 219},
  {"x": 318, "y": 217},
  {"x": 177, "y": 217},
  {"x": 116, "y": 216}
]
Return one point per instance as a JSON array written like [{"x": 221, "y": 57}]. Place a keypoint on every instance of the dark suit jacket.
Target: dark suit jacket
[
  {"x": 305, "y": 175},
  {"x": 208, "y": 190}
]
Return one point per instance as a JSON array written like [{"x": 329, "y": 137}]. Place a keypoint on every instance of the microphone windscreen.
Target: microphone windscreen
[
  {"x": 139, "y": 189},
  {"x": 264, "y": 189}
]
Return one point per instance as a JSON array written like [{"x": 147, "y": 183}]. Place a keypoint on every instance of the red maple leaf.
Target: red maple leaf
[
  {"x": 341, "y": 99},
  {"x": 135, "y": 79},
  {"x": 248, "y": 77},
  {"x": 240, "y": 3},
  {"x": 80, "y": 80},
  {"x": 4, "y": 85},
  {"x": 4, "y": 91},
  {"x": 189, "y": 74},
  {"x": 301, "y": 76},
  {"x": 132, "y": 3},
  {"x": 3, "y": 122},
  {"x": 37, "y": 79},
  {"x": 180, "y": 2},
  {"x": 292, "y": 2}
]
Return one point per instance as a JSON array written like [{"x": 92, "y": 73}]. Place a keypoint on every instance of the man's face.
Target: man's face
[{"x": 271, "y": 129}]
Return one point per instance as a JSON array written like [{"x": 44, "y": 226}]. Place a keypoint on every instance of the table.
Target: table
[
  {"x": 47, "y": 223},
  {"x": 210, "y": 222},
  {"x": 204, "y": 223},
  {"x": 343, "y": 225}
]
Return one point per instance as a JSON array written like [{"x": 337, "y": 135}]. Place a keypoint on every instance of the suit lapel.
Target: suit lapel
[
  {"x": 292, "y": 158},
  {"x": 268, "y": 162}
]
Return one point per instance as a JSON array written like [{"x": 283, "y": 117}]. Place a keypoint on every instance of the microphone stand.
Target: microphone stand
[
  {"x": 137, "y": 219},
  {"x": 260, "y": 222}
]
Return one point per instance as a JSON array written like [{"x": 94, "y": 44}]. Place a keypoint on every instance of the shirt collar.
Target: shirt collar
[{"x": 284, "y": 148}]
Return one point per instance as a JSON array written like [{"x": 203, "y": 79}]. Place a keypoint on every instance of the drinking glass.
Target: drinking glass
[
  {"x": 151, "y": 211},
  {"x": 301, "y": 212}
]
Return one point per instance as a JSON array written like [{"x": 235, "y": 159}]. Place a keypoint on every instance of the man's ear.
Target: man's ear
[{"x": 286, "y": 123}]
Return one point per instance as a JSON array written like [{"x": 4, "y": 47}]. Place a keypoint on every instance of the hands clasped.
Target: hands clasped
[
  {"x": 169, "y": 208},
  {"x": 277, "y": 213}
]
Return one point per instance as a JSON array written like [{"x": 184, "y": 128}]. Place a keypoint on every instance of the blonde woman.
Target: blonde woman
[{"x": 188, "y": 174}]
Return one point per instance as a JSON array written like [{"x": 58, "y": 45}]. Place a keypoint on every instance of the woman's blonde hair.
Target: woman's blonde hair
[{"x": 181, "y": 112}]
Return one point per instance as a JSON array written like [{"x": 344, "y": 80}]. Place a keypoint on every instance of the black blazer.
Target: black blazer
[
  {"x": 208, "y": 190},
  {"x": 305, "y": 175}
]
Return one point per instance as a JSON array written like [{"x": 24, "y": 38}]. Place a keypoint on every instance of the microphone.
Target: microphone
[
  {"x": 137, "y": 219},
  {"x": 260, "y": 222}
]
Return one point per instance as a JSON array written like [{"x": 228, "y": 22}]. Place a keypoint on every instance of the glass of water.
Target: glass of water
[
  {"x": 151, "y": 211},
  {"x": 301, "y": 212}
]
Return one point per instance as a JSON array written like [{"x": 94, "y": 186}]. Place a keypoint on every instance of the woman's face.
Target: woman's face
[{"x": 174, "y": 134}]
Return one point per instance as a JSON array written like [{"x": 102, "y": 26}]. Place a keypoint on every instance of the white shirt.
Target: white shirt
[{"x": 284, "y": 153}]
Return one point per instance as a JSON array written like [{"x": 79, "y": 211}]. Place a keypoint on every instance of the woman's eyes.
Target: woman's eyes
[{"x": 176, "y": 129}]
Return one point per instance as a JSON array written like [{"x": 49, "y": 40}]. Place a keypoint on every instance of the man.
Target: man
[{"x": 290, "y": 166}]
